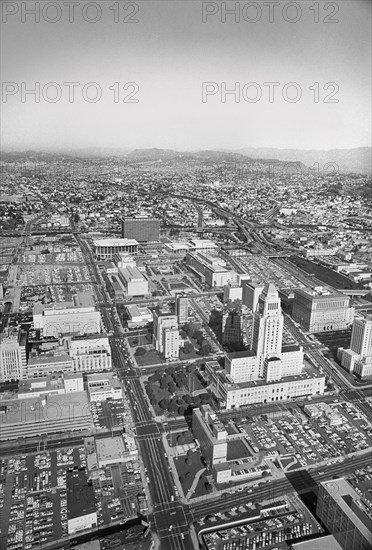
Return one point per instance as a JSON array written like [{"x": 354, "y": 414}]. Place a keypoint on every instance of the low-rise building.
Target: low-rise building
[
  {"x": 90, "y": 353},
  {"x": 139, "y": 316},
  {"x": 135, "y": 283},
  {"x": 105, "y": 249},
  {"x": 114, "y": 450},
  {"x": 104, "y": 386},
  {"x": 81, "y": 510},
  {"x": 230, "y": 394},
  {"x": 48, "y": 414}
]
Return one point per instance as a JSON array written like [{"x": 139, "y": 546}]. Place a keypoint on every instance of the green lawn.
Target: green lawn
[{"x": 183, "y": 468}]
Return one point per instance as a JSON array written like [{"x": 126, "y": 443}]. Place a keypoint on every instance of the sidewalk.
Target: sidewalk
[{"x": 194, "y": 483}]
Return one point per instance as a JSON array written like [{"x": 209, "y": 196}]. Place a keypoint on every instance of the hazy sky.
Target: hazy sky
[{"x": 169, "y": 53}]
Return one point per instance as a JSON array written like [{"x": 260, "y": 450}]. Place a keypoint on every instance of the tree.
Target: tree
[
  {"x": 163, "y": 383},
  {"x": 171, "y": 387},
  {"x": 140, "y": 352},
  {"x": 181, "y": 480},
  {"x": 198, "y": 336},
  {"x": 187, "y": 348},
  {"x": 172, "y": 406},
  {"x": 205, "y": 347},
  {"x": 188, "y": 461},
  {"x": 164, "y": 404},
  {"x": 180, "y": 440}
]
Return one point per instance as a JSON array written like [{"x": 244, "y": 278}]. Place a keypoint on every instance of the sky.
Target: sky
[{"x": 158, "y": 74}]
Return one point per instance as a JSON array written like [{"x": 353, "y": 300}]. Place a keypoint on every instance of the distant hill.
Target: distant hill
[
  {"x": 45, "y": 154},
  {"x": 159, "y": 155},
  {"x": 357, "y": 160}
]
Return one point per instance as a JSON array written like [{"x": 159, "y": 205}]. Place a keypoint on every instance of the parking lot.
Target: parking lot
[
  {"x": 303, "y": 440},
  {"x": 249, "y": 528},
  {"x": 34, "y": 498}
]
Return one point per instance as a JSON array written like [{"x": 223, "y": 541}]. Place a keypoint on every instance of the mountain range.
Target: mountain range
[{"x": 358, "y": 160}]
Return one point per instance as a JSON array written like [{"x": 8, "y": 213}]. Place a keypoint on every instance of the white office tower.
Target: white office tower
[
  {"x": 361, "y": 337},
  {"x": 171, "y": 343},
  {"x": 162, "y": 321},
  {"x": 12, "y": 356},
  {"x": 358, "y": 358},
  {"x": 182, "y": 308},
  {"x": 268, "y": 327}
]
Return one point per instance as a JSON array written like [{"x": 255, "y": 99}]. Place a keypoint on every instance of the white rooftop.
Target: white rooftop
[{"x": 114, "y": 242}]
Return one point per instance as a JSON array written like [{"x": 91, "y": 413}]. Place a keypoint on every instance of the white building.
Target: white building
[
  {"x": 90, "y": 353},
  {"x": 59, "y": 319},
  {"x": 210, "y": 269},
  {"x": 234, "y": 395},
  {"x": 232, "y": 292},
  {"x": 104, "y": 386},
  {"x": 171, "y": 343},
  {"x": 52, "y": 384},
  {"x": 358, "y": 358},
  {"x": 139, "y": 316},
  {"x": 163, "y": 321},
  {"x": 135, "y": 283},
  {"x": 267, "y": 327},
  {"x": 105, "y": 249},
  {"x": 12, "y": 356},
  {"x": 182, "y": 308}
]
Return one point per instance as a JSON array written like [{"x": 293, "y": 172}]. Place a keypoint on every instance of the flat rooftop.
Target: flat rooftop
[
  {"x": 65, "y": 406},
  {"x": 309, "y": 372},
  {"x": 115, "y": 242},
  {"x": 80, "y": 495},
  {"x": 345, "y": 495},
  {"x": 110, "y": 449},
  {"x": 47, "y": 358}
]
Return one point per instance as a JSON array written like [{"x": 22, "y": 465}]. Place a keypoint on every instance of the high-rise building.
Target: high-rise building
[
  {"x": 232, "y": 326},
  {"x": 162, "y": 321},
  {"x": 322, "y": 309},
  {"x": 13, "y": 356},
  {"x": 345, "y": 514},
  {"x": 182, "y": 308},
  {"x": 171, "y": 343},
  {"x": 358, "y": 358},
  {"x": 268, "y": 327},
  {"x": 141, "y": 228},
  {"x": 251, "y": 293},
  {"x": 270, "y": 371},
  {"x": 361, "y": 337}
]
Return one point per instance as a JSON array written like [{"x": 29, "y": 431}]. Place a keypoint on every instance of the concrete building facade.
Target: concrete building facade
[
  {"x": 13, "y": 356},
  {"x": 344, "y": 513},
  {"x": 321, "y": 310}
]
